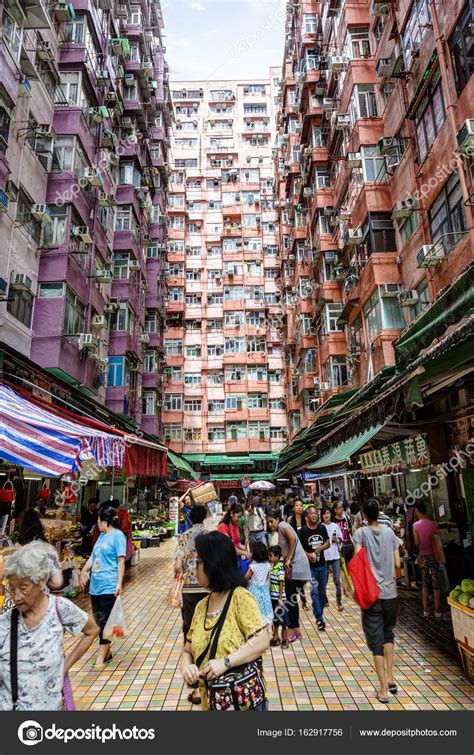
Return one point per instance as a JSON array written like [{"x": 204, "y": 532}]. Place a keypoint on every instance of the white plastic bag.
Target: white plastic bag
[{"x": 116, "y": 627}]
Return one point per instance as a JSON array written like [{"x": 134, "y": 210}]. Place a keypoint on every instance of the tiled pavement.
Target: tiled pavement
[{"x": 328, "y": 671}]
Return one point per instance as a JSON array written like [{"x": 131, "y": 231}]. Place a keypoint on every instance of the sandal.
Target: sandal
[
  {"x": 383, "y": 700},
  {"x": 393, "y": 689},
  {"x": 294, "y": 637},
  {"x": 285, "y": 644},
  {"x": 274, "y": 643}
]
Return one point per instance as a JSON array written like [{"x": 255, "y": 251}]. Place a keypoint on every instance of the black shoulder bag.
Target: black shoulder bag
[
  {"x": 14, "y": 657},
  {"x": 239, "y": 689}
]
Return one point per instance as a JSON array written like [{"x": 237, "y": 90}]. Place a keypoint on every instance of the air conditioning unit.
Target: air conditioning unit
[
  {"x": 430, "y": 255},
  {"x": 329, "y": 104},
  {"x": 126, "y": 123},
  {"x": 103, "y": 77},
  {"x": 122, "y": 12},
  {"x": 103, "y": 276},
  {"x": 94, "y": 176},
  {"x": 4, "y": 201},
  {"x": 338, "y": 63},
  {"x": 343, "y": 120},
  {"x": 20, "y": 282},
  {"x": 63, "y": 12},
  {"x": 145, "y": 338},
  {"x": 389, "y": 290},
  {"x": 111, "y": 307},
  {"x": 42, "y": 213},
  {"x": 354, "y": 160},
  {"x": 87, "y": 341},
  {"x": 408, "y": 298},
  {"x": 354, "y": 350},
  {"x": 82, "y": 232},
  {"x": 325, "y": 386},
  {"x": 387, "y": 144},
  {"x": 465, "y": 137},
  {"x": 354, "y": 236},
  {"x": 134, "y": 265},
  {"x": 404, "y": 208},
  {"x": 106, "y": 200},
  {"x": 329, "y": 256},
  {"x": 3, "y": 289},
  {"x": 99, "y": 321},
  {"x": 308, "y": 191},
  {"x": 45, "y": 51}
]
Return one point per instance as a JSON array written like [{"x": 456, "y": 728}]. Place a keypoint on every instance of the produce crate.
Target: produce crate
[
  {"x": 154, "y": 542},
  {"x": 203, "y": 493},
  {"x": 467, "y": 658},
  {"x": 463, "y": 625}
]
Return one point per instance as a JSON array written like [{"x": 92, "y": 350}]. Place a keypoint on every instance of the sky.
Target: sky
[{"x": 223, "y": 39}]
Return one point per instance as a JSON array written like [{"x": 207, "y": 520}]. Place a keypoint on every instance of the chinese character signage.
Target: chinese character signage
[{"x": 409, "y": 453}]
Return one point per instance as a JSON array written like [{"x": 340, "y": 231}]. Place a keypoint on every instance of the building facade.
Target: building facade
[
  {"x": 224, "y": 387},
  {"x": 85, "y": 114},
  {"x": 374, "y": 168}
]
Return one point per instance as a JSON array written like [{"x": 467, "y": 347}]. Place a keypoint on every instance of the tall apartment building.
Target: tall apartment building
[
  {"x": 375, "y": 182},
  {"x": 224, "y": 391},
  {"x": 85, "y": 112}
]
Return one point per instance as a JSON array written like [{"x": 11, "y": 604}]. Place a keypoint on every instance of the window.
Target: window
[
  {"x": 460, "y": 45},
  {"x": 256, "y": 344},
  {"x": 69, "y": 89},
  {"x": 51, "y": 290},
  {"x": 20, "y": 305},
  {"x": 193, "y": 405},
  {"x": 73, "y": 314},
  {"x": 215, "y": 434},
  {"x": 423, "y": 299},
  {"x": 234, "y": 318},
  {"x": 149, "y": 403},
  {"x": 172, "y": 431},
  {"x": 12, "y": 34},
  {"x": 150, "y": 361},
  {"x": 176, "y": 374},
  {"x": 336, "y": 372},
  {"x": 116, "y": 375},
  {"x": 259, "y": 430},
  {"x": 430, "y": 116},
  {"x": 236, "y": 430},
  {"x": 419, "y": 21},
  {"x": 235, "y": 374},
  {"x": 214, "y": 350},
  {"x": 150, "y": 323},
  {"x": 123, "y": 319},
  {"x": 277, "y": 432},
  {"x": 174, "y": 346},
  {"x": 64, "y": 152},
  {"x": 120, "y": 267},
  {"x": 192, "y": 378},
  {"x": 74, "y": 31},
  {"x": 54, "y": 234},
  {"x": 215, "y": 405},
  {"x": 235, "y": 401},
  {"x": 379, "y": 233},
  {"x": 277, "y": 403},
  {"x": 123, "y": 218},
  {"x": 193, "y": 351},
  {"x": 331, "y": 314},
  {"x": 275, "y": 377},
  {"x": 135, "y": 15},
  {"x": 382, "y": 313},
  {"x": 257, "y": 401},
  {"x": 363, "y": 103},
  {"x": 173, "y": 402},
  {"x": 310, "y": 23},
  {"x": 192, "y": 434},
  {"x": 446, "y": 216},
  {"x": 358, "y": 43},
  {"x": 374, "y": 165},
  {"x": 128, "y": 174},
  {"x": 258, "y": 373},
  {"x": 234, "y": 345},
  {"x": 408, "y": 225},
  {"x": 29, "y": 225},
  {"x": 215, "y": 378}
]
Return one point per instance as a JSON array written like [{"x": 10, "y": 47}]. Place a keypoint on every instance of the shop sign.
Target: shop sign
[
  {"x": 408, "y": 453},
  {"x": 228, "y": 483}
]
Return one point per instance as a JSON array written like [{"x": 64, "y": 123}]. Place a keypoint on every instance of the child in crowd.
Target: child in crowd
[
  {"x": 257, "y": 579},
  {"x": 278, "y": 597}
]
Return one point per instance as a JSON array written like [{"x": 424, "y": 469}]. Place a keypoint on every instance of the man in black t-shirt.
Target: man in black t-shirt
[{"x": 315, "y": 540}]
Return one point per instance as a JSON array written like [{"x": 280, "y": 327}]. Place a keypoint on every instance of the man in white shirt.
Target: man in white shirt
[{"x": 332, "y": 555}]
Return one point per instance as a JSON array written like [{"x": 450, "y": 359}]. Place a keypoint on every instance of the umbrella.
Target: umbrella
[{"x": 262, "y": 485}]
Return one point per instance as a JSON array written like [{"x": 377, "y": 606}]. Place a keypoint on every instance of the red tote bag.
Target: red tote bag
[{"x": 366, "y": 589}]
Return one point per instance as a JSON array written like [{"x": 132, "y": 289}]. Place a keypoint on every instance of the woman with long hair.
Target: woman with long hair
[
  {"x": 229, "y": 526},
  {"x": 105, "y": 569},
  {"x": 229, "y": 612}
]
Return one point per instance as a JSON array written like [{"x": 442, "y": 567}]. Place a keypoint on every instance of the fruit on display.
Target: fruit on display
[{"x": 463, "y": 594}]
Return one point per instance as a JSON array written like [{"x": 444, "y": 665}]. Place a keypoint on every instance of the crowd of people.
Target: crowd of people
[
  {"x": 243, "y": 585},
  {"x": 275, "y": 549}
]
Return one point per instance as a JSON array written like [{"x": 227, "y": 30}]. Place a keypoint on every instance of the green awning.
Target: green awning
[
  {"x": 64, "y": 376},
  {"x": 273, "y": 456},
  {"x": 225, "y": 460},
  {"x": 449, "y": 308},
  {"x": 235, "y": 476},
  {"x": 181, "y": 465},
  {"x": 343, "y": 452}
]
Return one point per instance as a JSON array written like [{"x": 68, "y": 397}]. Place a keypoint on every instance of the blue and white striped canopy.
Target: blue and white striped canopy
[{"x": 47, "y": 443}]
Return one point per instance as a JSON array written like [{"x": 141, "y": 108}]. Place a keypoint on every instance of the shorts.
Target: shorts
[
  {"x": 280, "y": 615},
  {"x": 378, "y": 623},
  {"x": 429, "y": 572}
]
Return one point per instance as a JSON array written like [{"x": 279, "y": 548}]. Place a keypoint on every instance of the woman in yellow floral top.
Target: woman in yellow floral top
[{"x": 243, "y": 637}]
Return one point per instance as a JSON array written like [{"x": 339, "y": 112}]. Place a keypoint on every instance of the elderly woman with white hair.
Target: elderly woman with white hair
[{"x": 32, "y": 660}]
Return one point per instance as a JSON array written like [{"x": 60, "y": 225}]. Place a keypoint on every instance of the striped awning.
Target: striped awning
[{"x": 45, "y": 442}]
